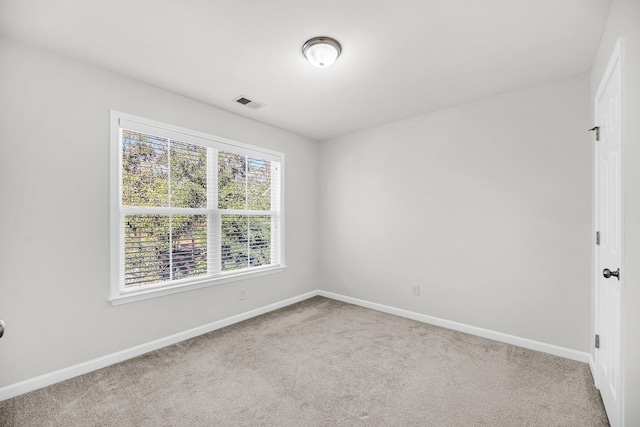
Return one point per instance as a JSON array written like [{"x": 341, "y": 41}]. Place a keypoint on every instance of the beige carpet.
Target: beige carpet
[{"x": 323, "y": 363}]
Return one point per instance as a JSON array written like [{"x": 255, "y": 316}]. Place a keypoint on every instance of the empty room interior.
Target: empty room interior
[{"x": 338, "y": 213}]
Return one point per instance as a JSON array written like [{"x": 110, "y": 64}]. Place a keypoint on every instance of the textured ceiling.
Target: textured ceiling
[{"x": 400, "y": 58}]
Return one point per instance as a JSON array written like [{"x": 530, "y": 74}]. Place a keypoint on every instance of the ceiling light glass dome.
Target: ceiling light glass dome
[{"x": 321, "y": 52}]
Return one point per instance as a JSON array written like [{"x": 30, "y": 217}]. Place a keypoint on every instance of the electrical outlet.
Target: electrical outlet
[
  {"x": 243, "y": 294},
  {"x": 415, "y": 290}
]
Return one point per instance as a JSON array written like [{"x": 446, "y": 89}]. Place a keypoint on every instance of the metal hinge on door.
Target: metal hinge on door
[
  {"x": 597, "y": 341},
  {"x": 597, "y": 130}
]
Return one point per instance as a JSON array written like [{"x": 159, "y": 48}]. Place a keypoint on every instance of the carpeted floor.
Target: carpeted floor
[{"x": 323, "y": 363}]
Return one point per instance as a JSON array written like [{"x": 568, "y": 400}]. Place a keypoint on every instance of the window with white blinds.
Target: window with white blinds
[{"x": 190, "y": 209}]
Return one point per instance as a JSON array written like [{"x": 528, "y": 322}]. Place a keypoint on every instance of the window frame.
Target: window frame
[{"x": 118, "y": 293}]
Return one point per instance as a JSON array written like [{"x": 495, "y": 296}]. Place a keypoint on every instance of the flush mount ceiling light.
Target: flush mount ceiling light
[{"x": 321, "y": 51}]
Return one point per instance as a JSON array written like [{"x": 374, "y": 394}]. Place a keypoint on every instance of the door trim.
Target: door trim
[{"x": 615, "y": 58}]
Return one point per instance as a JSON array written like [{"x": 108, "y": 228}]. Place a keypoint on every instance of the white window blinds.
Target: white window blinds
[{"x": 192, "y": 207}]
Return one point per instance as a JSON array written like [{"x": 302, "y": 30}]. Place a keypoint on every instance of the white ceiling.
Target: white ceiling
[{"x": 401, "y": 58}]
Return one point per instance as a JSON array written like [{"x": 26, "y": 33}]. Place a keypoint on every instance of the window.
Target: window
[{"x": 189, "y": 209}]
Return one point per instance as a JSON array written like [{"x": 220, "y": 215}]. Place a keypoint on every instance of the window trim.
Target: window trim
[{"x": 118, "y": 295}]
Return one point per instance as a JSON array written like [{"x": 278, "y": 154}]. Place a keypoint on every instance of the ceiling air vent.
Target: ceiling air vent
[{"x": 248, "y": 103}]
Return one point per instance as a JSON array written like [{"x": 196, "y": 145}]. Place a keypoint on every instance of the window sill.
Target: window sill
[{"x": 144, "y": 294}]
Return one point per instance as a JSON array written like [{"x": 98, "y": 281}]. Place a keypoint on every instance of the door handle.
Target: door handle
[
  {"x": 1, "y": 328},
  {"x": 608, "y": 273}
]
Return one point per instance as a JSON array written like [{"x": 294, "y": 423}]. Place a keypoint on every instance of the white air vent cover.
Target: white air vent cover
[{"x": 248, "y": 103}]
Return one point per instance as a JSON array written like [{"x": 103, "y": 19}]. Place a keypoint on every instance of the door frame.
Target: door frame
[{"x": 616, "y": 57}]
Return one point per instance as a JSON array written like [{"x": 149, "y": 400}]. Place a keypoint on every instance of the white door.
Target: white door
[{"x": 609, "y": 275}]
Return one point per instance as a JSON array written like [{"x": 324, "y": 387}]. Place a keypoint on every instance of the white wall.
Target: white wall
[
  {"x": 54, "y": 215},
  {"x": 486, "y": 205},
  {"x": 624, "y": 21}
]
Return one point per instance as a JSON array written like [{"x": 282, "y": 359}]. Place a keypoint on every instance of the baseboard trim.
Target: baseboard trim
[
  {"x": 35, "y": 383},
  {"x": 592, "y": 367},
  {"x": 461, "y": 327}
]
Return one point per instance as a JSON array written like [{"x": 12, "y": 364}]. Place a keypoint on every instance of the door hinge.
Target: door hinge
[
  {"x": 597, "y": 237},
  {"x": 597, "y": 341},
  {"x": 597, "y": 130}
]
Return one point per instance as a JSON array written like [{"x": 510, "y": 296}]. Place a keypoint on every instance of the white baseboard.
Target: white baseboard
[
  {"x": 473, "y": 330},
  {"x": 31, "y": 384},
  {"x": 592, "y": 367}
]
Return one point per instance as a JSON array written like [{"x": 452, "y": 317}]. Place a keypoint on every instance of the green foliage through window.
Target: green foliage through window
[
  {"x": 246, "y": 241},
  {"x": 243, "y": 182},
  {"x": 161, "y": 246}
]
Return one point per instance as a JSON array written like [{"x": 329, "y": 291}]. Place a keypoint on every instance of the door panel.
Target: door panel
[{"x": 609, "y": 252}]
